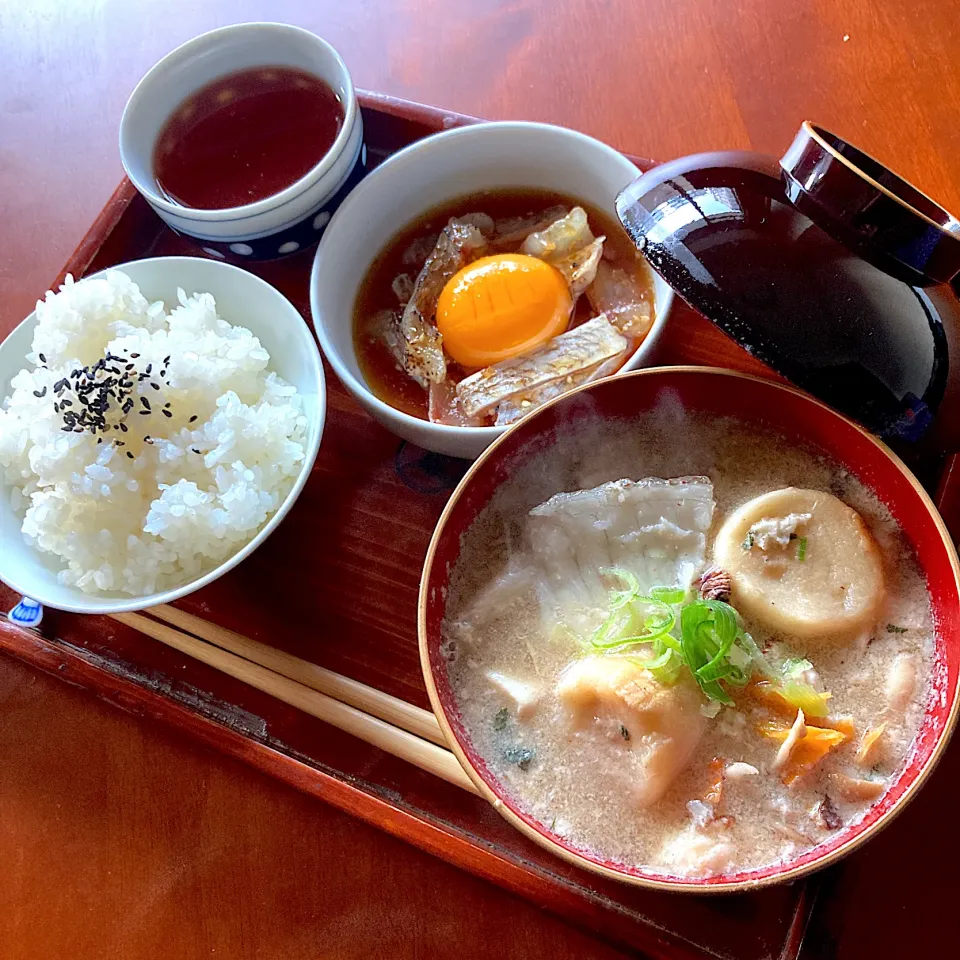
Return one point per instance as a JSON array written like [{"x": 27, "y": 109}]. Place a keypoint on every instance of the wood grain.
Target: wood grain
[
  {"x": 126, "y": 842},
  {"x": 120, "y": 840}
]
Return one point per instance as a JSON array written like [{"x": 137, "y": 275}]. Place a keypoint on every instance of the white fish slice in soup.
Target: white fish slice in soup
[{"x": 654, "y": 528}]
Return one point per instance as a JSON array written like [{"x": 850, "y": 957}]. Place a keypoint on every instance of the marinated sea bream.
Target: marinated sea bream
[
  {"x": 421, "y": 344},
  {"x": 698, "y": 673},
  {"x": 505, "y": 313}
]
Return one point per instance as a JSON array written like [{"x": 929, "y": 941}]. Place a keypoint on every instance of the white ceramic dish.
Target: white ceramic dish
[
  {"x": 425, "y": 174},
  {"x": 285, "y": 222},
  {"x": 242, "y": 299}
]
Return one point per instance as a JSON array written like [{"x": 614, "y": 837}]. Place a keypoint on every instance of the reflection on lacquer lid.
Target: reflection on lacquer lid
[{"x": 720, "y": 229}]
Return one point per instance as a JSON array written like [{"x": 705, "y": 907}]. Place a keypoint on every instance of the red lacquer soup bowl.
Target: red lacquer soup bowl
[{"x": 706, "y": 393}]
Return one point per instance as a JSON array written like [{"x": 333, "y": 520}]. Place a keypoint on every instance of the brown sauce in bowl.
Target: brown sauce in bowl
[
  {"x": 245, "y": 137},
  {"x": 406, "y": 252}
]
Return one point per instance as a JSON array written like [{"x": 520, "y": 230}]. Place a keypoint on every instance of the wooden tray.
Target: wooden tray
[{"x": 337, "y": 584}]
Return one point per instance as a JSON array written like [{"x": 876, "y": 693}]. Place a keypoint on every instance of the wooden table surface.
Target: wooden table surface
[{"x": 118, "y": 839}]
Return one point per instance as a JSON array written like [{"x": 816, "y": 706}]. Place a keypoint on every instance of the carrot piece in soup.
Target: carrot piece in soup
[{"x": 808, "y": 751}]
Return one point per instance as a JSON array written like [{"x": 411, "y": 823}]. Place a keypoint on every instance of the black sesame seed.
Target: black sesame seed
[
  {"x": 167, "y": 413},
  {"x": 61, "y": 385},
  {"x": 129, "y": 366},
  {"x": 167, "y": 404},
  {"x": 129, "y": 454},
  {"x": 134, "y": 356},
  {"x": 144, "y": 413},
  {"x": 166, "y": 359},
  {"x": 78, "y": 429},
  {"x": 156, "y": 386},
  {"x": 99, "y": 439},
  {"x": 145, "y": 402},
  {"x": 147, "y": 370},
  {"x": 195, "y": 450},
  {"x": 43, "y": 359},
  {"x": 66, "y": 402},
  {"x": 194, "y": 417},
  {"x": 123, "y": 427},
  {"x": 67, "y": 429},
  {"x": 40, "y": 393}
]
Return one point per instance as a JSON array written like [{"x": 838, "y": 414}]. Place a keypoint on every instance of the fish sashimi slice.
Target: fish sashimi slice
[
  {"x": 513, "y": 230},
  {"x": 560, "y": 238},
  {"x": 482, "y": 221},
  {"x": 580, "y": 267},
  {"x": 402, "y": 287},
  {"x": 513, "y": 408},
  {"x": 423, "y": 357},
  {"x": 568, "y": 354},
  {"x": 444, "y": 407},
  {"x": 385, "y": 327},
  {"x": 654, "y": 528},
  {"x": 618, "y": 295}
]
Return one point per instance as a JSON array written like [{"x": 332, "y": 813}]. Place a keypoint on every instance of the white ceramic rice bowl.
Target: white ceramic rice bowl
[{"x": 242, "y": 299}]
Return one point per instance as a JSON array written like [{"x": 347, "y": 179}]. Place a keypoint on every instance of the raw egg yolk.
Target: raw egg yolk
[{"x": 498, "y": 307}]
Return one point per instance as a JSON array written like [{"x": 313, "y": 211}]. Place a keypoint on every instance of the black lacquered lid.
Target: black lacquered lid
[{"x": 816, "y": 265}]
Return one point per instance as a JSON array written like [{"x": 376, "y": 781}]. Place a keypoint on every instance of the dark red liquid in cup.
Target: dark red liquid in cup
[{"x": 245, "y": 137}]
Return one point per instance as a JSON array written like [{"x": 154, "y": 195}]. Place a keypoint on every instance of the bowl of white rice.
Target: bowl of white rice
[{"x": 157, "y": 422}]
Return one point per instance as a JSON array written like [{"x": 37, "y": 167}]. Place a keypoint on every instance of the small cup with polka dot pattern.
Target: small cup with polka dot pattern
[{"x": 286, "y": 222}]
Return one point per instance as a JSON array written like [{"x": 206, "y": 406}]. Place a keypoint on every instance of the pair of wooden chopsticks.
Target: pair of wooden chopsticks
[{"x": 393, "y": 725}]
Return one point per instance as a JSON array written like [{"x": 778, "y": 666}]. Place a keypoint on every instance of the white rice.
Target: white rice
[{"x": 187, "y": 501}]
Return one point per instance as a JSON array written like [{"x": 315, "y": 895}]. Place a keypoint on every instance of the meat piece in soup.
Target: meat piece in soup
[{"x": 651, "y": 669}]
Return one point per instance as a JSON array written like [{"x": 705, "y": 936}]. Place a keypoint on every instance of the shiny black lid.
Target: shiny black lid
[{"x": 815, "y": 266}]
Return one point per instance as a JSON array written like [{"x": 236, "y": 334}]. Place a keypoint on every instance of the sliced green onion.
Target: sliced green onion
[
  {"x": 802, "y": 549},
  {"x": 666, "y": 667},
  {"x": 671, "y": 595},
  {"x": 710, "y": 642},
  {"x": 793, "y": 668},
  {"x": 805, "y": 697},
  {"x": 621, "y": 598},
  {"x": 708, "y": 629},
  {"x": 760, "y": 662},
  {"x": 795, "y": 689},
  {"x": 627, "y": 625}
]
